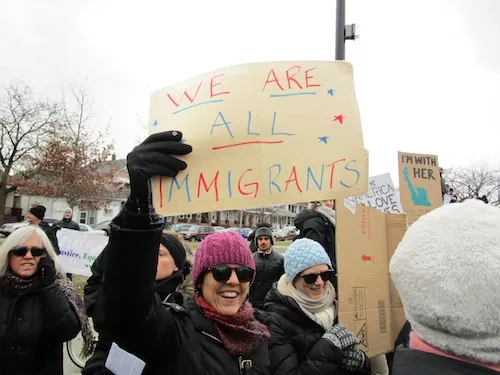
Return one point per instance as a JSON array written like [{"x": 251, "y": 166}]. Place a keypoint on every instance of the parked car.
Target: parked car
[
  {"x": 8, "y": 228},
  {"x": 179, "y": 227},
  {"x": 243, "y": 231},
  {"x": 104, "y": 226},
  {"x": 287, "y": 234},
  {"x": 219, "y": 229},
  {"x": 197, "y": 232}
]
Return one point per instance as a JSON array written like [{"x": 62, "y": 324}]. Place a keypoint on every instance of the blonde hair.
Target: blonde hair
[{"x": 20, "y": 236}]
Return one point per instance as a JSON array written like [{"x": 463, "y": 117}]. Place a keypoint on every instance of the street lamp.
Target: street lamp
[{"x": 343, "y": 32}]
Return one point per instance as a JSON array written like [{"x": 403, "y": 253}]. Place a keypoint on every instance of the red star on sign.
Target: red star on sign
[{"x": 339, "y": 118}]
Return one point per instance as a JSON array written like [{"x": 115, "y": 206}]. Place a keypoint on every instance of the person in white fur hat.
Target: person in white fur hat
[{"x": 447, "y": 272}]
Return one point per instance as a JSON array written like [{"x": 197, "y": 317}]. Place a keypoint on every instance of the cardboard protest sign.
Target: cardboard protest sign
[
  {"x": 419, "y": 184},
  {"x": 79, "y": 250},
  {"x": 381, "y": 195},
  {"x": 262, "y": 134},
  {"x": 366, "y": 239}
]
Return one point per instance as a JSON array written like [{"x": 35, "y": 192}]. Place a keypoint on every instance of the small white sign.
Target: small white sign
[
  {"x": 78, "y": 250},
  {"x": 381, "y": 195},
  {"x": 121, "y": 362}
]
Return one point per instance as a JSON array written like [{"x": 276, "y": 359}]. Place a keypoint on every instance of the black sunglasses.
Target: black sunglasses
[
  {"x": 223, "y": 273},
  {"x": 23, "y": 250},
  {"x": 312, "y": 277}
]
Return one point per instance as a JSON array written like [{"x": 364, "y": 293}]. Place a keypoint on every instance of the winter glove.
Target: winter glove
[
  {"x": 341, "y": 337},
  {"x": 353, "y": 358},
  {"x": 153, "y": 157},
  {"x": 46, "y": 272}
]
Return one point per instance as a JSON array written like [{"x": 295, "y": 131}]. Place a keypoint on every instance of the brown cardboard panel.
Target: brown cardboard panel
[{"x": 366, "y": 239}]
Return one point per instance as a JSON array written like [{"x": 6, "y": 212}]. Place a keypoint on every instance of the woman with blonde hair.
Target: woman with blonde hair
[{"x": 39, "y": 307}]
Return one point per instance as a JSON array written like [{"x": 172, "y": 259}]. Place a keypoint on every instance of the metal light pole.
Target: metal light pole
[
  {"x": 343, "y": 32},
  {"x": 340, "y": 31}
]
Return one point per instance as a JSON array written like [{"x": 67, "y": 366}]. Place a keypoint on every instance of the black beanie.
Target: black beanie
[
  {"x": 38, "y": 212},
  {"x": 263, "y": 231},
  {"x": 175, "y": 248}
]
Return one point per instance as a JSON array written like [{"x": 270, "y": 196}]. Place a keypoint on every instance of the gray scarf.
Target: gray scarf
[
  {"x": 328, "y": 212},
  {"x": 321, "y": 311}
]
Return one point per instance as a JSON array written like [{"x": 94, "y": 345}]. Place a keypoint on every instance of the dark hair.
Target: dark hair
[{"x": 187, "y": 268}]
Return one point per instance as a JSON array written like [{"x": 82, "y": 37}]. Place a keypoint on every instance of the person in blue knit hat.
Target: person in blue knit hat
[{"x": 301, "y": 314}]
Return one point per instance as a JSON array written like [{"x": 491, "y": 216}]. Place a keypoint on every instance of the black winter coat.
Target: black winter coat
[
  {"x": 269, "y": 269},
  {"x": 414, "y": 362},
  {"x": 296, "y": 346},
  {"x": 318, "y": 228},
  {"x": 67, "y": 224},
  {"x": 171, "y": 340},
  {"x": 166, "y": 290},
  {"x": 33, "y": 328},
  {"x": 51, "y": 232}
]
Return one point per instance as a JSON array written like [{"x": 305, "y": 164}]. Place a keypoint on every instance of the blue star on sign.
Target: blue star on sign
[
  {"x": 323, "y": 139},
  {"x": 331, "y": 92},
  {"x": 155, "y": 123}
]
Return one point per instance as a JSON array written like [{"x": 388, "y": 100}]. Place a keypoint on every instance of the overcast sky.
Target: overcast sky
[{"x": 427, "y": 71}]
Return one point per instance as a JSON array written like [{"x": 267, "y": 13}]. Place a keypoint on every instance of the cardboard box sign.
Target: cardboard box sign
[
  {"x": 419, "y": 184},
  {"x": 368, "y": 303}
]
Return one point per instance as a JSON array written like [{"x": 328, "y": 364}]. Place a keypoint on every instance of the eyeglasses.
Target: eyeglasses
[
  {"x": 23, "y": 250},
  {"x": 223, "y": 273},
  {"x": 312, "y": 277}
]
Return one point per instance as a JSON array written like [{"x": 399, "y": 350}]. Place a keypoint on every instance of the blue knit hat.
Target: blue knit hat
[{"x": 303, "y": 254}]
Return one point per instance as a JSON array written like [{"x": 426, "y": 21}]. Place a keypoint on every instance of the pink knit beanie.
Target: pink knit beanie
[{"x": 221, "y": 248}]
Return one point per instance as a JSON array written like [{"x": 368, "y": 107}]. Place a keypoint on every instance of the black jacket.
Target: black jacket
[
  {"x": 414, "y": 362},
  {"x": 296, "y": 345},
  {"x": 51, "y": 232},
  {"x": 318, "y": 228},
  {"x": 33, "y": 328},
  {"x": 402, "y": 340},
  {"x": 92, "y": 294},
  {"x": 67, "y": 224},
  {"x": 269, "y": 269},
  {"x": 172, "y": 339}
]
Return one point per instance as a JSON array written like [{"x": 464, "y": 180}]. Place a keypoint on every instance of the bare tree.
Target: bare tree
[
  {"x": 78, "y": 115},
  {"x": 475, "y": 181},
  {"x": 73, "y": 163},
  {"x": 24, "y": 120}
]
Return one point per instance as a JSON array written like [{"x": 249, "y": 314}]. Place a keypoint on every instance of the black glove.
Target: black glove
[
  {"x": 341, "y": 337},
  {"x": 46, "y": 272},
  {"x": 353, "y": 358},
  {"x": 153, "y": 157}
]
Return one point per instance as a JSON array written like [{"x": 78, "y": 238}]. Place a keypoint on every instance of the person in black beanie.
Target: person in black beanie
[
  {"x": 171, "y": 272},
  {"x": 269, "y": 266},
  {"x": 251, "y": 236},
  {"x": 35, "y": 216}
]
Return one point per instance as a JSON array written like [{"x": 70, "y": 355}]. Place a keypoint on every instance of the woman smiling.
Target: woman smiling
[
  {"x": 213, "y": 333},
  {"x": 301, "y": 315}
]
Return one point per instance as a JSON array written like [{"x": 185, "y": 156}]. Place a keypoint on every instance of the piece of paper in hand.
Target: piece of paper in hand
[
  {"x": 121, "y": 362},
  {"x": 350, "y": 205}
]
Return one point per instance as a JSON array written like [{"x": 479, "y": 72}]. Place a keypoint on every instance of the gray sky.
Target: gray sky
[{"x": 427, "y": 71}]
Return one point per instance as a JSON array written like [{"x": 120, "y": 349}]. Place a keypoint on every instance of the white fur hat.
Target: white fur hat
[{"x": 447, "y": 272}]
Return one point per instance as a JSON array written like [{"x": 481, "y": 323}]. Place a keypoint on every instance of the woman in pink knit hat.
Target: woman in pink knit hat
[{"x": 213, "y": 333}]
